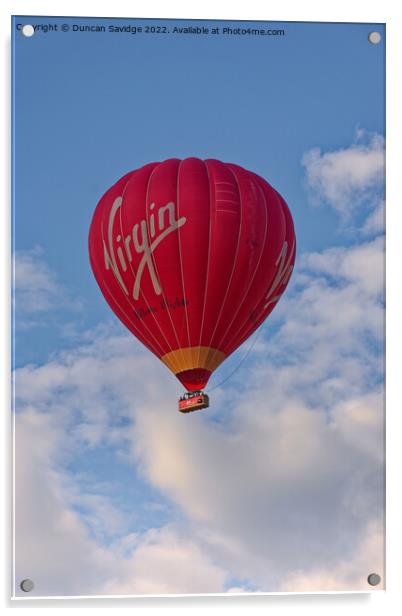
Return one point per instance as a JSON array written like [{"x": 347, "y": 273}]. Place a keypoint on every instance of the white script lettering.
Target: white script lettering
[
  {"x": 139, "y": 237},
  {"x": 282, "y": 275}
]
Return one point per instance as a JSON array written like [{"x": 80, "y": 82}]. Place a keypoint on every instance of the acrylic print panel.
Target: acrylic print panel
[{"x": 212, "y": 148}]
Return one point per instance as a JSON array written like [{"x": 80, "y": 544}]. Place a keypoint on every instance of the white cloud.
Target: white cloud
[
  {"x": 37, "y": 290},
  {"x": 35, "y": 283},
  {"x": 375, "y": 222},
  {"x": 362, "y": 264},
  {"x": 166, "y": 562},
  {"x": 280, "y": 484},
  {"x": 52, "y": 546},
  {"x": 286, "y": 489},
  {"x": 360, "y": 423},
  {"x": 347, "y": 575},
  {"x": 348, "y": 177},
  {"x": 55, "y": 549}
]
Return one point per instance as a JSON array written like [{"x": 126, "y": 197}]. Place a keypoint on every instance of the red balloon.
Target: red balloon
[{"x": 192, "y": 256}]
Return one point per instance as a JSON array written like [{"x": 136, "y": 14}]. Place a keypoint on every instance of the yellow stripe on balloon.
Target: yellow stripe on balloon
[{"x": 189, "y": 358}]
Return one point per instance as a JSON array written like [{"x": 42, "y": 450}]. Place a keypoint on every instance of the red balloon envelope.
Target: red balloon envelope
[{"x": 192, "y": 255}]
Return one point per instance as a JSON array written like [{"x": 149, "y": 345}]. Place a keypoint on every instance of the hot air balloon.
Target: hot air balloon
[{"x": 192, "y": 255}]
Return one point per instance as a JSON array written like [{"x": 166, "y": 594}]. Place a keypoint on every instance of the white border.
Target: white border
[{"x": 286, "y": 10}]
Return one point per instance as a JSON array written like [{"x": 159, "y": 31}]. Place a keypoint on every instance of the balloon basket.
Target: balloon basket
[{"x": 193, "y": 401}]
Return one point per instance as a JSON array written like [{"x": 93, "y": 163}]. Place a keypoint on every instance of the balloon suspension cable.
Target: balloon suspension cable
[{"x": 243, "y": 359}]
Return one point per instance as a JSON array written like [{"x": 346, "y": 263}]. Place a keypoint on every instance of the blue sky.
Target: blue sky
[{"x": 306, "y": 111}]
